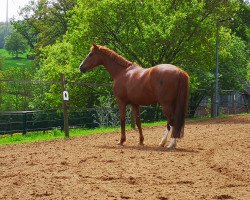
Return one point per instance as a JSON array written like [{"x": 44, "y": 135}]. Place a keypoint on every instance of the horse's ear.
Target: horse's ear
[{"x": 94, "y": 45}]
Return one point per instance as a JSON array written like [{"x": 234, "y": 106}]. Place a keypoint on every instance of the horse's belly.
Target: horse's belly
[
  {"x": 141, "y": 101},
  {"x": 141, "y": 96}
]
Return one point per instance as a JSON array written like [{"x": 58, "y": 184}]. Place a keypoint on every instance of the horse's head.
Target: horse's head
[{"x": 92, "y": 60}]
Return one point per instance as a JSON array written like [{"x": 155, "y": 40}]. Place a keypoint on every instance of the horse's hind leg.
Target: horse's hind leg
[
  {"x": 168, "y": 112},
  {"x": 165, "y": 136},
  {"x": 136, "y": 110},
  {"x": 172, "y": 144}
]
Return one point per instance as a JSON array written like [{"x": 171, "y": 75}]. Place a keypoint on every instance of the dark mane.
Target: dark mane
[{"x": 113, "y": 55}]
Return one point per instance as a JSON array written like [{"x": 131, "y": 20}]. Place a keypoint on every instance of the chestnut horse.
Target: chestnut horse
[{"x": 165, "y": 84}]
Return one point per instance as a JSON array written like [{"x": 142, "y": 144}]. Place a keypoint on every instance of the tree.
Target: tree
[
  {"x": 182, "y": 33},
  {"x": 16, "y": 96},
  {"x": 27, "y": 31},
  {"x": 5, "y": 29},
  {"x": 44, "y": 22},
  {"x": 233, "y": 64},
  {"x": 59, "y": 61},
  {"x": 1, "y": 84},
  {"x": 15, "y": 44},
  {"x": 241, "y": 23},
  {"x": 148, "y": 33}
]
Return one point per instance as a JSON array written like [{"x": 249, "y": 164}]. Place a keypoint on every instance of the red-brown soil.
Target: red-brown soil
[{"x": 212, "y": 161}]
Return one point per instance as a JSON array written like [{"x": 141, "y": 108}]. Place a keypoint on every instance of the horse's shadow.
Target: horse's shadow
[{"x": 149, "y": 148}]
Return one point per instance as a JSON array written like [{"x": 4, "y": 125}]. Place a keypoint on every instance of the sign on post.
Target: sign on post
[
  {"x": 65, "y": 106},
  {"x": 65, "y": 96}
]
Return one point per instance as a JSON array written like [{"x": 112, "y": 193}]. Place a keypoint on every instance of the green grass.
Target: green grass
[
  {"x": 9, "y": 61},
  {"x": 5, "y": 54},
  {"x": 30, "y": 137},
  {"x": 19, "y": 138}
]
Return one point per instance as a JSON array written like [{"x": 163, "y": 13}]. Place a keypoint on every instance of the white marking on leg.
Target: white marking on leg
[
  {"x": 164, "y": 138},
  {"x": 172, "y": 144}
]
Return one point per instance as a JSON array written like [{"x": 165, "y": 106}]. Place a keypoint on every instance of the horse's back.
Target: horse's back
[
  {"x": 166, "y": 69},
  {"x": 169, "y": 67},
  {"x": 148, "y": 86}
]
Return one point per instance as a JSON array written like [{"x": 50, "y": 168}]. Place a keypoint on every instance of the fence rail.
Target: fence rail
[
  {"x": 41, "y": 120},
  {"x": 26, "y": 121}
]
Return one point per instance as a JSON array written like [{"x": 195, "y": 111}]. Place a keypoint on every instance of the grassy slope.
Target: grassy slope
[{"x": 10, "y": 61}]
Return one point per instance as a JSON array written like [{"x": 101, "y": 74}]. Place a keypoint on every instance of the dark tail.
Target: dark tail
[{"x": 181, "y": 105}]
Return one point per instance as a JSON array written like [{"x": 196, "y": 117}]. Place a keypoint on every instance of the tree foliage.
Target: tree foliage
[
  {"x": 241, "y": 21},
  {"x": 1, "y": 76},
  {"x": 146, "y": 32},
  {"x": 15, "y": 44},
  {"x": 44, "y": 22},
  {"x": 233, "y": 63},
  {"x": 15, "y": 96},
  {"x": 5, "y": 30},
  {"x": 27, "y": 31},
  {"x": 181, "y": 33}
]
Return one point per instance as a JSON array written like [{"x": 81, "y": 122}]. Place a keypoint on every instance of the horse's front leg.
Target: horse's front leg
[
  {"x": 122, "y": 109},
  {"x": 136, "y": 110}
]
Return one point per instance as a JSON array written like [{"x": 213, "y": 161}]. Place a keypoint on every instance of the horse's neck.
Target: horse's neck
[{"x": 113, "y": 68}]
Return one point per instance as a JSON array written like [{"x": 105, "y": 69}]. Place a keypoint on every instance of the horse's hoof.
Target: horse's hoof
[
  {"x": 140, "y": 143},
  {"x": 121, "y": 143},
  {"x": 161, "y": 145},
  {"x": 171, "y": 146}
]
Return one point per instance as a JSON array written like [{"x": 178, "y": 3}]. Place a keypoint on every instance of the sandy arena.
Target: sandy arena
[{"x": 212, "y": 161}]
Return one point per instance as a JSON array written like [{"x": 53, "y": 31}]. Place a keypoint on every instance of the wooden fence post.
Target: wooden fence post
[
  {"x": 24, "y": 114},
  {"x": 65, "y": 107},
  {"x": 234, "y": 104}
]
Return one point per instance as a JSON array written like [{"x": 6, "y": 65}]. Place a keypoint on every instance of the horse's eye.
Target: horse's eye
[{"x": 91, "y": 54}]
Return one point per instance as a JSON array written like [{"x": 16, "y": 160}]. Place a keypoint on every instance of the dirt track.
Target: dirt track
[{"x": 211, "y": 162}]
